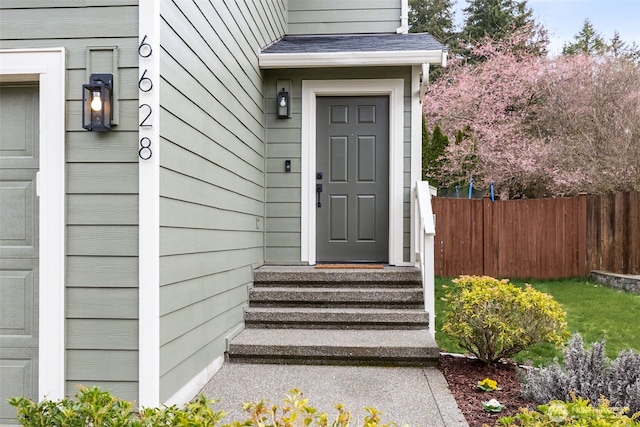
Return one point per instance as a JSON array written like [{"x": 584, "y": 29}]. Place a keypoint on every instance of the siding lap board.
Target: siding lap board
[
  {"x": 343, "y": 16},
  {"x": 212, "y": 162},
  {"x": 101, "y": 173}
]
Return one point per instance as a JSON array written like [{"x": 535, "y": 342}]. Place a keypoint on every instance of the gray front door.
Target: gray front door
[
  {"x": 352, "y": 144},
  {"x": 19, "y": 128}
]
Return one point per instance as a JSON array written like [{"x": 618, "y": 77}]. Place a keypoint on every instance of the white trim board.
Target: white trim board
[
  {"x": 149, "y": 214},
  {"x": 47, "y": 66},
  {"x": 416, "y": 143},
  {"x": 191, "y": 389},
  {"x": 311, "y": 89},
  {"x": 351, "y": 59}
]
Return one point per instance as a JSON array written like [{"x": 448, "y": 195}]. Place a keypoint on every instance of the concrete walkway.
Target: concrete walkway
[{"x": 418, "y": 397}]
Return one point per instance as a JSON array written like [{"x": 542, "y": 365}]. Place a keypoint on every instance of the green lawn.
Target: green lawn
[{"x": 593, "y": 310}]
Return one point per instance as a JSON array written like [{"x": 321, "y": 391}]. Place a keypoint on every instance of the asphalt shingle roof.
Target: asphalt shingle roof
[{"x": 355, "y": 43}]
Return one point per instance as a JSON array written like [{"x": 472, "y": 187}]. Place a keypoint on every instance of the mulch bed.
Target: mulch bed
[{"x": 463, "y": 375}]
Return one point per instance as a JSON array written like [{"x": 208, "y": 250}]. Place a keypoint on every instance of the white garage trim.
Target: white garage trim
[
  {"x": 394, "y": 88},
  {"x": 47, "y": 66}
]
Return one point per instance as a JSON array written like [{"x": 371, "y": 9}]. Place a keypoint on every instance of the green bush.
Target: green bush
[
  {"x": 577, "y": 412},
  {"x": 93, "y": 407},
  {"x": 493, "y": 319},
  {"x": 97, "y": 408}
]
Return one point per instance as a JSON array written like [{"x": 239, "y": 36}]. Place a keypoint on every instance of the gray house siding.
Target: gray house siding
[
  {"x": 212, "y": 190},
  {"x": 283, "y": 228},
  {"x": 102, "y": 185},
  {"x": 343, "y": 16}
]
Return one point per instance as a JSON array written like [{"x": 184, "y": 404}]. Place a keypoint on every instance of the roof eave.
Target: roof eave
[{"x": 351, "y": 59}]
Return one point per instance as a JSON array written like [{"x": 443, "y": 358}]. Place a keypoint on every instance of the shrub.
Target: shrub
[
  {"x": 93, "y": 407},
  {"x": 493, "y": 319},
  {"x": 589, "y": 374},
  {"x": 577, "y": 412}
]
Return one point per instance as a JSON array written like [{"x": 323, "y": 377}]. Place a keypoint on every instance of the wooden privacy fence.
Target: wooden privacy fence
[
  {"x": 537, "y": 238},
  {"x": 613, "y": 233}
]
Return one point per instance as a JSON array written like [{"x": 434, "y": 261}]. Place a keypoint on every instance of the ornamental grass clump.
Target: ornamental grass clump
[
  {"x": 494, "y": 319},
  {"x": 588, "y": 373}
]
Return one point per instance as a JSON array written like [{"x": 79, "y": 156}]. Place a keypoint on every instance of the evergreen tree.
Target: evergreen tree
[
  {"x": 495, "y": 19},
  {"x": 620, "y": 49},
  {"x": 587, "y": 42},
  {"x": 434, "y": 17},
  {"x": 433, "y": 150}
]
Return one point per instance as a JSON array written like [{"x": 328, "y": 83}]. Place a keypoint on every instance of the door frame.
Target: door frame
[
  {"x": 47, "y": 67},
  {"x": 311, "y": 89}
]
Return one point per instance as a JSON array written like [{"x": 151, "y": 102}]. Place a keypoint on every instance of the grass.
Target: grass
[{"x": 593, "y": 310}]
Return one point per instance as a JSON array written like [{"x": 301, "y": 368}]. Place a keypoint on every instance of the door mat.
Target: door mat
[{"x": 356, "y": 266}]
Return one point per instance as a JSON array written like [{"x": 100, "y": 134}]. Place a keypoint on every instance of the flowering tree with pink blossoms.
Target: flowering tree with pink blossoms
[
  {"x": 590, "y": 117},
  {"x": 484, "y": 109},
  {"x": 535, "y": 126}
]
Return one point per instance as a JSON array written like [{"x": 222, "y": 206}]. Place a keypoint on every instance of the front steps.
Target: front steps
[{"x": 303, "y": 315}]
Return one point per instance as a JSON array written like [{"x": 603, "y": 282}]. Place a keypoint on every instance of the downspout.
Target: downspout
[{"x": 404, "y": 18}]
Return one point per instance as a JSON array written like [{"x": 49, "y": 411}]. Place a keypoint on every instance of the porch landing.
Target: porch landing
[{"x": 311, "y": 274}]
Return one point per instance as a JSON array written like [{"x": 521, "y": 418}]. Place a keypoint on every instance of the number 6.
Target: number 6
[
  {"x": 145, "y": 84},
  {"x": 145, "y": 47}
]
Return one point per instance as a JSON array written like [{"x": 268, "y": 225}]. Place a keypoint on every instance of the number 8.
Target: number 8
[{"x": 145, "y": 148}]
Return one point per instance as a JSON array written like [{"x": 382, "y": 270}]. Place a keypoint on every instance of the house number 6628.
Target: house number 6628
[{"x": 145, "y": 85}]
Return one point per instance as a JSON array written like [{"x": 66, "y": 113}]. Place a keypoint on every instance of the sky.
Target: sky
[{"x": 564, "y": 18}]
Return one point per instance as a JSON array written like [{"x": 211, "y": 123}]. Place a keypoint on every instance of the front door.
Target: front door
[
  {"x": 19, "y": 163},
  {"x": 352, "y": 179}
]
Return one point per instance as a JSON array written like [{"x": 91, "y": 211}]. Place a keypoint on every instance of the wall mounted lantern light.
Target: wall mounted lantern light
[
  {"x": 284, "y": 108},
  {"x": 97, "y": 100}
]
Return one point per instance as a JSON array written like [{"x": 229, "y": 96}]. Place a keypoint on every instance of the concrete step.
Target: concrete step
[
  {"x": 310, "y": 277},
  {"x": 304, "y": 315},
  {"x": 339, "y": 318},
  {"x": 334, "y": 347},
  {"x": 337, "y": 297}
]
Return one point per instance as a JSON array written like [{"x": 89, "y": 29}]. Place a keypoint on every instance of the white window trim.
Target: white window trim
[
  {"x": 311, "y": 89},
  {"x": 47, "y": 66}
]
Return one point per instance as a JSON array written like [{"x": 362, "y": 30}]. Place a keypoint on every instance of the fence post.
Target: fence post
[
  {"x": 487, "y": 238},
  {"x": 582, "y": 234}
]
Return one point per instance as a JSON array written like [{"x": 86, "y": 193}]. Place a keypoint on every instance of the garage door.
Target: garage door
[{"x": 18, "y": 244}]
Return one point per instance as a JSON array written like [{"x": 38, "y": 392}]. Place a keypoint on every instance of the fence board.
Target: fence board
[
  {"x": 613, "y": 233},
  {"x": 461, "y": 221},
  {"x": 537, "y": 238}
]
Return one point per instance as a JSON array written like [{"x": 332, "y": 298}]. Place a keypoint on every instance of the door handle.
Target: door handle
[{"x": 318, "y": 191}]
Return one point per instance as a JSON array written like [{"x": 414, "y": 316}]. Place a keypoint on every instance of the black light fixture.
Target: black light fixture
[
  {"x": 283, "y": 105},
  {"x": 97, "y": 99}
]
